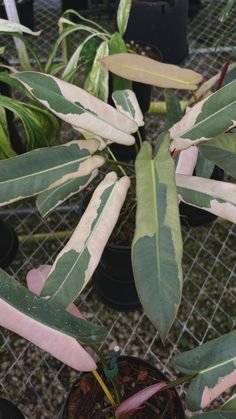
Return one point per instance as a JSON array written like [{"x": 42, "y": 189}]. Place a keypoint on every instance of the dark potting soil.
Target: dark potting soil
[{"x": 87, "y": 401}]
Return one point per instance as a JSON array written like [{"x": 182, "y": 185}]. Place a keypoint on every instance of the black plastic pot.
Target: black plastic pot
[
  {"x": 196, "y": 217},
  {"x": 75, "y": 5},
  {"x": 25, "y": 11},
  {"x": 162, "y": 24},
  {"x": 194, "y": 7},
  {"x": 113, "y": 279},
  {"x": 8, "y": 245},
  {"x": 9, "y": 411},
  {"x": 134, "y": 365}
]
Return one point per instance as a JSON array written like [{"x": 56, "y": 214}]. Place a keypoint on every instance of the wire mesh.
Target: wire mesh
[{"x": 36, "y": 381}]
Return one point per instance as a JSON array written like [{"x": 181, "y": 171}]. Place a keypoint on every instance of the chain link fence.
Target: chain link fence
[{"x": 36, "y": 381}]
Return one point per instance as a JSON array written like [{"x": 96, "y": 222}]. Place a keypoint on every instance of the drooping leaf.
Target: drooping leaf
[
  {"x": 218, "y": 198},
  {"x": 157, "y": 244},
  {"x": 126, "y": 102},
  {"x": 146, "y": 70},
  {"x": 77, "y": 107},
  {"x": 36, "y": 171},
  {"x": 75, "y": 264},
  {"x": 209, "y": 118},
  {"x": 12, "y": 27},
  {"x": 204, "y": 167},
  {"x": 49, "y": 200},
  {"x": 128, "y": 407},
  {"x": 221, "y": 150},
  {"x": 123, "y": 15},
  {"x": 40, "y": 127},
  {"x": 116, "y": 46},
  {"x": 215, "y": 364},
  {"x": 47, "y": 325},
  {"x": 97, "y": 81}
]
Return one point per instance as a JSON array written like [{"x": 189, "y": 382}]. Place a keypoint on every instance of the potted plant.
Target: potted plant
[{"x": 9, "y": 411}]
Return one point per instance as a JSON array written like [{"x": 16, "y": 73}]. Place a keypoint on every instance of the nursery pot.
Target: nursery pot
[
  {"x": 25, "y": 11},
  {"x": 162, "y": 24},
  {"x": 196, "y": 217},
  {"x": 113, "y": 280},
  {"x": 9, "y": 411},
  {"x": 75, "y": 5},
  {"x": 134, "y": 374},
  {"x": 8, "y": 245}
]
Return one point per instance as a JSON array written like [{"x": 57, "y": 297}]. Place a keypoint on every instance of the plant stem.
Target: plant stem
[
  {"x": 116, "y": 387},
  {"x": 114, "y": 161},
  {"x": 120, "y": 163},
  {"x": 60, "y": 235},
  {"x": 140, "y": 139},
  {"x": 12, "y": 15},
  {"x": 179, "y": 381},
  {"x": 104, "y": 387},
  {"x": 160, "y": 107}
]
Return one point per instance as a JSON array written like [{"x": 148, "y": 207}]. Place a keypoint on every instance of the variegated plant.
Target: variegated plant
[{"x": 53, "y": 174}]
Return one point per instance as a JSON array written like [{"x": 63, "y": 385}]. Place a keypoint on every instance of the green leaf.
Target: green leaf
[
  {"x": 40, "y": 127},
  {"x": 75, "y": 264},
  {"x": 5, "y": 144},
  {"x": 116, "y": 46},
  {"x": 45, "y": 312},
  {"x": 230, "y": 404},
  {"x": 49, "y": 200},
  {"x": 126, "y": 102},
  {"x": 226, "y": 11},
  {"x": 157, "y": 244},
  {"x": 123, "y": 15},
  {"x": 97, "y": 80},
  {"x": 218, "y": 198},
  {"x": 216, "y": 415},
  {"x": 174, "y": 112},
  {"x": 207, "y": 119},
  {"x": 77, "y": 107},
  {"x": 45, "y": 168},
  {"x": 221, "y": 150},
  {"x": 204, "y": 167},
  {"x": 215, "y": 364}
]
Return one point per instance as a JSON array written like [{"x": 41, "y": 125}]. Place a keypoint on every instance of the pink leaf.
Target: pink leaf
[
  {"x": 36, "y": 279},
  {"x": 187, "y": 161},
  {"x": 134, "y": 403},
  {"x": 63, "y": 347}
]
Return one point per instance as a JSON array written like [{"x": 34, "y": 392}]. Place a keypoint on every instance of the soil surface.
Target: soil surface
[{"x": 87, "y": 400}]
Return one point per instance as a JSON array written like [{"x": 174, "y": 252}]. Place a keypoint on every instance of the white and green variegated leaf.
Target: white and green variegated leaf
[
  {"x": 221, "y": 150},
  {"x": 123, "y": 15},
  {"x": 5, "y": 144},
  {"x": 79, "y": 108},
  {"x": 97, "y": 81},
  {"x": 157, "y": 244},
  {"x": 173, "y": 108},
  {"x": 103, "y": 143},
  {"x": 75, "y": 264},
  {"x": 49, "y": 200},
  {"x": 216, "y": 414},
  {"x": 207, "y": 119},
  {"x": 13, "y": 27},
  {"x": 214, "y": 196},
  {"x": 215, "y": 365},
  {"x": 42, "y": 169},
  {"x": 126, "y": 102},
  {"x": 47, "y": 325},
  {"x": 116, "y": 46}
]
